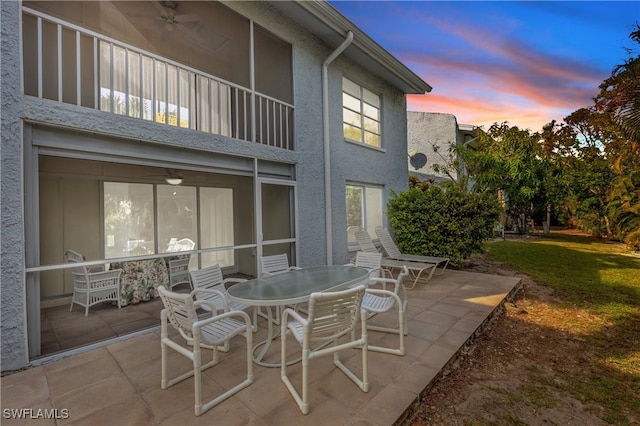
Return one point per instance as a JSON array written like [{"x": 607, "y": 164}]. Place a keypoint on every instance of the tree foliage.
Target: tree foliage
[
  {"x": 584, "y": 171},
  {"x": 507, "y": 159}
]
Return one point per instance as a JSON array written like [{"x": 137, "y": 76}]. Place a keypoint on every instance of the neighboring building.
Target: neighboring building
[
  {"x": 105, "y": 103},
  {"x": 433, "y": 135}
]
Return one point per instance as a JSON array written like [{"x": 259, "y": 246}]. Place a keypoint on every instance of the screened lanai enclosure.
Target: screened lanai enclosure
[
  {"x": 128, "y": 217},
  {"x": 132, "y": 198}
]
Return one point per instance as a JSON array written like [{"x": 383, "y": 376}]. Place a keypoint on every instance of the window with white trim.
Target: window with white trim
[
  {"x": 360, "y": 114},
  {"x": 364, "y": 209}
]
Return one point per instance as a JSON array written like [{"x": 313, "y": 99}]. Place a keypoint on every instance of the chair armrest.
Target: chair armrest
[
  {"x": 95, "y": 268},
  {"x": 291, "y": 312},
  {"x": 384, "y": 293},
  {"x": 380, "y": 292},
  {"x": 199, "y": 324},
  {"x": 112, "y": 273},
  {"x": 210, "y": 291},
  {"x": 379, "y": 280}
]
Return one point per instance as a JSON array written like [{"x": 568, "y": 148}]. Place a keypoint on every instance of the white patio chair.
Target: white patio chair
[
  {"x": 370, "y": 261},
  {"x": 394, "y": 253},
  {"x": 276, "y": 264},
  {"x": 92, "y": 285},
  {"x": 179, "y": 271},
  {"x": 332, "y": 315},
  {"x": 377, "y": 301},
  {"x": 209, "y": 333},
  {"x": 272, "y": 265},
  {"x": 210, "y": 278}
]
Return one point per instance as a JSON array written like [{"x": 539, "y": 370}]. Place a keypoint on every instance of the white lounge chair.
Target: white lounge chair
[
  {"x": 365, "y": 242},
  {"x": 394, "y": 253},
  {"x": 210, "y": 333},
  {"x": 416, "y": 267},
  {"x": 332, "y": 315}
]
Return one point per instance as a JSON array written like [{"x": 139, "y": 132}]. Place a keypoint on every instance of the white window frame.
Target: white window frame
[
  {"x": 367, "y": 100},
  {"x": 365, "y": 206}
]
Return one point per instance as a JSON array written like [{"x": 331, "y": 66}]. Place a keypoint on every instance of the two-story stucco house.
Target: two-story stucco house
[{"x": 246, "y": 128}]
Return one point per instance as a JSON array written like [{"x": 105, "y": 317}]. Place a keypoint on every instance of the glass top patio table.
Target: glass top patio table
[
  {"x": 289, "y": 288},
  {"x": 295, "y": 286}
]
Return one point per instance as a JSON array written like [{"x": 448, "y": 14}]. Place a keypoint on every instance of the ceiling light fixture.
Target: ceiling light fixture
[{"x": 172, "y": 180}]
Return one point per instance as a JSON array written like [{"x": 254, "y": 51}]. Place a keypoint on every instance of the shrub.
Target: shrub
[{"x": 442, "y": 219}]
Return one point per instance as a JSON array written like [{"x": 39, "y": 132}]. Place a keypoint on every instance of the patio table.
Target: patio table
[{"x": 289, "y": 288}]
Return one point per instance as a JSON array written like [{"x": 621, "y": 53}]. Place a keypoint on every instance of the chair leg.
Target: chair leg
[
  {"x": 302, "y": 401},
  {"x": 197, "y": 377},
  {"x": 401, "y": 331}
]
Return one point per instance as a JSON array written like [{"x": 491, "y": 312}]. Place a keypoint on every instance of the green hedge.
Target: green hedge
[{"x": 442, "y": 220}]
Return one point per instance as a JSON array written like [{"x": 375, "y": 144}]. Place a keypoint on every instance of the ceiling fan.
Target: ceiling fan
[
  {"x": 171, "y": 176},
  {"x": 188, "y": 24}
]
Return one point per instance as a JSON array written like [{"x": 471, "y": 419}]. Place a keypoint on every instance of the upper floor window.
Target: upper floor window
[{"x": 360, "y": 114}]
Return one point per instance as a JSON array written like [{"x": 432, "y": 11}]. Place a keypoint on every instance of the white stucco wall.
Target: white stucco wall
[
  {"x": 426, "y": 130},
  {"x": 387, "y": 166}
]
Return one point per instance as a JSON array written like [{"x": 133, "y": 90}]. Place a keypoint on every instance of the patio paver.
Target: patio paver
[{"x": 120, "y": 383}]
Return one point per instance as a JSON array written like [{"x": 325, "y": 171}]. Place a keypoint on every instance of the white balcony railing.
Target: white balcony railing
[{"x": 70, "y": 64}]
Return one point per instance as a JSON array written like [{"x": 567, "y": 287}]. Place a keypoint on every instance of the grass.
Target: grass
[{"x": 598, "y": 289}]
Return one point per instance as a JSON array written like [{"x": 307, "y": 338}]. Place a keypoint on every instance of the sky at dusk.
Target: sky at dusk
[{"x": 522, "y": 62}]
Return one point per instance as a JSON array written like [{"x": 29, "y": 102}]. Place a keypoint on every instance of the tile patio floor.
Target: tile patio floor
[{"x": 119, "y": 384}]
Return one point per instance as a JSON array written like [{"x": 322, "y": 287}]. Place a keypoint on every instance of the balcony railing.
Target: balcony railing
[{"x": 70, "y": 64}]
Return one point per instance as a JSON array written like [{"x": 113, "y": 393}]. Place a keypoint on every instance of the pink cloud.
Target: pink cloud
[{"x": 496, "y": 80}]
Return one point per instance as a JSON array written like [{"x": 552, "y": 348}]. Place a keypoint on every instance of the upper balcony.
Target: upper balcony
[{"x": 196, "y": 65}]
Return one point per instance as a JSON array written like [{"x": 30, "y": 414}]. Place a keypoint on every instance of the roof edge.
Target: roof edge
[{"x": 331, "y": 17}]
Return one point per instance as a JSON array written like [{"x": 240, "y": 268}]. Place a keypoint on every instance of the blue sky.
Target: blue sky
[{"x": 522, "y": 62}]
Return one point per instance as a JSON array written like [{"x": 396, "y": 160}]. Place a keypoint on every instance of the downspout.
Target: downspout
[{"x": 326, "y": 141}]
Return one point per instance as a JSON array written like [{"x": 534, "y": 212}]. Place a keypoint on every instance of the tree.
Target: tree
[
  {"x": 588, "y": 171},
  {"x": 620, "y": 94},
  {"x": 508, "y": 159},
  {"x": 619, "y": 101}
]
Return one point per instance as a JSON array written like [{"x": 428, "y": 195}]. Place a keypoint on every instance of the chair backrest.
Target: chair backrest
[
  {"x": 387, "y": 242},
  {"x": 368, "y": 260},
  {"x": 75, "y": 257},
  {"x": 365, "y": 242},
  {"x": 275, "y": 264},
  {"x": 209, "y": 278},
  {"x": 333, "y": 314},
  {"x": 180, "y": 310},
  {"x": 179, "y": 270}
]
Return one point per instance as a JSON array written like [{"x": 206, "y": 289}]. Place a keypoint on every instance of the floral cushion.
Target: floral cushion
[{"x": 140, "y": 279}]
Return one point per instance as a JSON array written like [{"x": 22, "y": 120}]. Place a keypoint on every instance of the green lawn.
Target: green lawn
[{"x": 598, "y": 287}]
